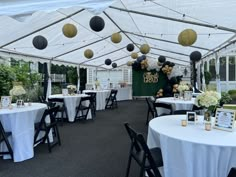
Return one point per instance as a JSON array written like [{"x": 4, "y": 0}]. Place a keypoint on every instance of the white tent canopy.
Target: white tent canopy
[{"x": 157, "y": 23}]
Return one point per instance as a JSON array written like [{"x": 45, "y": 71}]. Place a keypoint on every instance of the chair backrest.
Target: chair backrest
[
  {"x": 162, "y": 109},
  {"x": 132, "y": 133},
  {"x": 232, "y": 172},
  {"x": 4, "y": 138},
  {"x": 181, "y": 111},
  {"x": 42, "y": 99},
  {"x": 92, "y": 95},
  {"x": 113, "y": 94},
  {"x": 51, "y": 112},
  {"x": 58, "y": 100}
]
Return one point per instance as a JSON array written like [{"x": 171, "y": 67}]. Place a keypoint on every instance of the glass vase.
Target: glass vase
[{"x": 207, "y": 115}]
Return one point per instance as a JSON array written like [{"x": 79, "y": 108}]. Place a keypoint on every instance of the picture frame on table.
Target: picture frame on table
[
  {"x": 191, "y": 117},
  {"x": 6, "y": 102},
  {"x": 224, "y": 119},
  {"x": 64, "y": 92}
]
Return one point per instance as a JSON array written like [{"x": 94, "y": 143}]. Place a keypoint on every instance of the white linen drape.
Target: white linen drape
[{"x": 203, "y": 77}]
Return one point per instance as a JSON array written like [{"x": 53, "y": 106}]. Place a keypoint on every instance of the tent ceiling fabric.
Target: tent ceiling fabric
[{"x": 140, "y": 26}]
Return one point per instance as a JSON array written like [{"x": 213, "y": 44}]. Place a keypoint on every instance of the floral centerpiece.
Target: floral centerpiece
[
  {"x": 18, "y": 91},
  {"x": 182, "y": 87},
  {"x": 208, "y": 100},
  {"x": 71, "y": 89}
]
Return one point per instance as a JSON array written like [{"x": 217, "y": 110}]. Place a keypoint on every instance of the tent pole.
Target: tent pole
[{"x": 175, "y": 19}]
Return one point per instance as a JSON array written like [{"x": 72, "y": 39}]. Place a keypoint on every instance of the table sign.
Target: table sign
[
  {"x": 191, "y": 117},
  {"x": 224, "y": 119},
  {"x": 6, "y": 101},
  {"x": 64, "y": 92}
]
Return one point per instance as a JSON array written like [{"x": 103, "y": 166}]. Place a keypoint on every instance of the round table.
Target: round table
[
  {"x": 71, "y": 101},
  {"x": 101, "y": 96},
  {"x": 192, "y": 151},
  {"x": 20, "y": 121},
  {"x": 177, "y": 104}
]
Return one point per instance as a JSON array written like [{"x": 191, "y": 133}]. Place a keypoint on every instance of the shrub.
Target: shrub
[
  {"x": 232, "y": 93},
  {"x": 225, "y": 98}
]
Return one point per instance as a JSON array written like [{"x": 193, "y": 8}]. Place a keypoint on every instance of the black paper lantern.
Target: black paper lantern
[
  {"x": 40, "y": 42},
  {"x": 161, "y": 59},
  {"x": 130, "y": 47},
  {"x": 108, "y": 61},
  {"x": 97, "y": 23},
  {"x": 114, "y": 65},
  {"x": 195, "y": 56}
]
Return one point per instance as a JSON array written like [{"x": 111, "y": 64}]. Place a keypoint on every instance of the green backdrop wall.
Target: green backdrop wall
[{"x": 140, "y": 88}]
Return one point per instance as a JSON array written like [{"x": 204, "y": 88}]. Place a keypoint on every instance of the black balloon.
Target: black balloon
[
  {"x": 174, "y": 80},
  {"x": 195, "y": 56},
  {"x": 114, "y": 65},
  {"x": 161, "y": 59},
  {"x": 143, "y": 57},
  {"x": 40, "y": 42},
  {"x": 108, "y": 61},
  {"x": 140, "y": 59},
  {"x": 97, "y": 23},
  {"x": 130, "y": 47},
  {"x": 171, "y": 64},
  {"x": 136, "y": 66}
]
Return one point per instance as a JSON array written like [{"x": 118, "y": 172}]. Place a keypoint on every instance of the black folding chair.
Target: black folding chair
[
  {"x": 4, "y": 139},
  {"x": 182, "y": 112},
  {"x": 148, "y": 159},
  {"x": 83, "y": 108},
  {"x": 62, "y": 109},
  {"x": 232, "y": 172},
  {"x": 93, "y": 100},
  {"x": 111, "y": 101},
  {"x": 45, "y": 126},
  {"x": 150, "y": 109},
  {"x": 162, "y": 109}
]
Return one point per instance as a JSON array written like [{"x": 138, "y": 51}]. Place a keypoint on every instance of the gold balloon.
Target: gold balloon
[
  {"x": 116, "y": 37},
  {"x": 88, "y": 53},
  {"x": 129, "y": 63},
  {"x": 187, "y": 37},
  {"x": 144, "y": 49},
  {"x": 134, "y": 55},
  {"x": 69, "y": 30}
]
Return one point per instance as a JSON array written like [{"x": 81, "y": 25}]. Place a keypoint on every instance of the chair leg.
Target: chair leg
[
  {"x": 128, "y": 166},
  {"x": 147, "y": 117},
  {"x": 57, "y": 135}
]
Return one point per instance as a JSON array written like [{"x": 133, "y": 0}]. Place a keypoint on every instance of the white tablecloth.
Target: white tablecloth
[
  {"x": 124, "y": 93},
  {"x": 177, "y": 104},
  {"x": 71, "y": 101},
  {"x": 101, "y": 96},
  {"x": 20, "y": 121},
  {"x": 192, "y": 151}
]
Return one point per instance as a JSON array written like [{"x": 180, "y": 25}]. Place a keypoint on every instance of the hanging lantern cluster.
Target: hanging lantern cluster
[
  {"x": 40, "y": 42},
  {"x": 187, "y": 37},
  {"x": 88, "y": 53}
]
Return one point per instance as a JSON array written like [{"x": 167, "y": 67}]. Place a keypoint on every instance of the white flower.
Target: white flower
[
  {"x": 17, "y": 91},
  {"x": 207, "y": 99},
  {"x": 183, "y": 87},
  {"x": 72, "y": 87}
]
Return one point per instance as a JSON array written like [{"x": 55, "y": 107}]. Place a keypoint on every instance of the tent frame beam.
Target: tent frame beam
[
  {"x": 175, "y": 19},
  {"x": 51, "y": 24}
]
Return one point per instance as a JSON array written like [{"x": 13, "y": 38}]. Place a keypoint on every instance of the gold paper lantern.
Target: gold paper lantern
[
  {"x": 69, "y": 30},
  {"x": 116, "y": 37},
  {"x": 134, "y": 55},
  {"x": 144, "y": 49},
  {"x": 187, "y": 37},
  {"x": 88, "y": 53}
]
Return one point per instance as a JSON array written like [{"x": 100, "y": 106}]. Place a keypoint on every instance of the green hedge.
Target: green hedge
[{"x": 232, "y": 93}]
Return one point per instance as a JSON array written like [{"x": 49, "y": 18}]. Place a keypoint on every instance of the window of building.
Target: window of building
[
  {"x": 223, "y": 68},
  {"x": 212, "y": 69}
]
